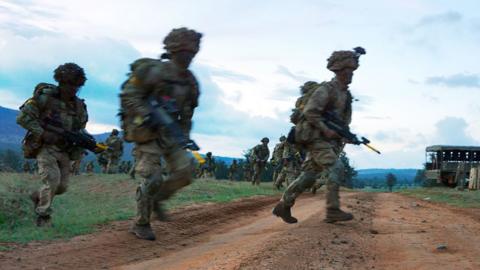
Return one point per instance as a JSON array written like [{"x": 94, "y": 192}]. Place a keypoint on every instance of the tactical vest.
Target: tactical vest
[
  {"x": 46, "y": 104},
  {"x": 133, "y": 98}
]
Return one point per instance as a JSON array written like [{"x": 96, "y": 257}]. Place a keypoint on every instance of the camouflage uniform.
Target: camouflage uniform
[
  {"x": 26, "y": 167},
  {"x": 291, "y": 161},
  {"x": 114, "y": 151},
  {"x": 323, "y": 145},
  {"x": 89, "y": 167},
  {"x": 247, "y": 170},
  {"x": 160, "y": 80},
  {"x": 102, "y": 161},
  {"x": 260, "y": 154},
  {"x": 208, "y": 168},
  {"x": 58, "y": 103},
  {"x": 277, "y": 161},
  {"x": 233, "y": 170}
]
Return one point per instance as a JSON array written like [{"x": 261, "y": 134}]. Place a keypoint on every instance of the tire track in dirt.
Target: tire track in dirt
[{"x": 114, "y": 246}]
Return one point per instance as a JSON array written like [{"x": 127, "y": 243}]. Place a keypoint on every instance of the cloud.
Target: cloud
[
  {"x": 297, "y": 77},
  {"x": 456, "y": 80},
  {"x": 453, "y": 130},
  {"x": 231, "y": 75},
  {"x": 448, "y": 17}
]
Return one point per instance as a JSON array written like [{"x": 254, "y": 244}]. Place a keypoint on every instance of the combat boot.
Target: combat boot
[
  {"x": 282, "y": 211},
  {"x": 143, "y": 232},
  {"x": 334, "y": 215},
  {"x": 35, "y": 197},
  {"x": 43, "y": 221}
]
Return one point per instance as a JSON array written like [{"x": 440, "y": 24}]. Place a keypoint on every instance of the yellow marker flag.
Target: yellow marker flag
[{"x": 198, "y": 157}]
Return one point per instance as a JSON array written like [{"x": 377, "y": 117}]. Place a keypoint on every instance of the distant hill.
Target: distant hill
[{"x": 11, "y": 134}]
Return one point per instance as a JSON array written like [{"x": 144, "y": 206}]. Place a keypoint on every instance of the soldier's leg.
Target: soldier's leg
[
  {"x": 335, "y": 179},
  {"x": 255, "y": 171},
  {"x": 281, "y": 178},
  {"x": 63, "y": 161},
  {"x": 180, "y": 164},
  {"x": 50, "y": 174},
  {"x": 317, "y": 161}
]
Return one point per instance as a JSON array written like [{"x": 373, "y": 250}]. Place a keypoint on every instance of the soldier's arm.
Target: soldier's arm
[
  {"x": 29, "y": 117},
  {"x": 186, "y": 113},
  {"x": 316, "y": 106}
]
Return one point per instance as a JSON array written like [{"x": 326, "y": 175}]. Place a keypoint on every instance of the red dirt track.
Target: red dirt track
[{"x": 390, "y": 231}]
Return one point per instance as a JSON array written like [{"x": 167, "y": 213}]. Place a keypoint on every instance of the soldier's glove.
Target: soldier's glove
[{"x": 49, "y": 137}]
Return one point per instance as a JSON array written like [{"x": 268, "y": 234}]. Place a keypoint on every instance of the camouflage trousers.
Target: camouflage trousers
[
  {"x": 156, "y": 186},
  {"x": 258, "y": 168},
  {"x": 112, "y": 165},
  {"x": 288, "y": 173},
  {"x": 207, "y": 174},
  {"x": 319, "y": 161},
  {"x": 54, "y": 169}
]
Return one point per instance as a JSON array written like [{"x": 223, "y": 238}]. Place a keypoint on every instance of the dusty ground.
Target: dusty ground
[{"x": 390, "y": 232}]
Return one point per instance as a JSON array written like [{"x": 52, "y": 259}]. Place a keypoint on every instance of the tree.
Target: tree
[
  {"x": 419, "y": 178},
  {"x": 391, "y": 181},
  {"x": 350, "y": 172}
]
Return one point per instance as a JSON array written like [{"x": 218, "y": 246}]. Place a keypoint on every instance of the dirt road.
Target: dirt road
[{"x": 389, "y": 232}]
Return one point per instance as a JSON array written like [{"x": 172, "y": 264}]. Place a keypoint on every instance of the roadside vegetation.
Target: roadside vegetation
[
  {"x": 450, "y": 196},
  {"x": 95, "y": 200}
]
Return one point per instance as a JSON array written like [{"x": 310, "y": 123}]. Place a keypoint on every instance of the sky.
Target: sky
[{"x": 418, "y": 84}]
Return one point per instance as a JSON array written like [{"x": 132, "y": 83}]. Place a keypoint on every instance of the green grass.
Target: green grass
[
  {"x": 450, "y": 196},
  {"x": 95, "y": 200}
]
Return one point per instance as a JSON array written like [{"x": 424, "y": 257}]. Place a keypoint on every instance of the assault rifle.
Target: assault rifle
[
  {"x": 333, "y": 122},
  {"x": 75, "y": 139},
  {"x": 161, "y": 112}
]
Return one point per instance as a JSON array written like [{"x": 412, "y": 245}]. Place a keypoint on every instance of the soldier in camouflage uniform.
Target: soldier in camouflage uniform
[
  {"x": 26, "y": 167},
  {"x": 114, "y": 151},
  {"x": 166, "y": 79},
  {"x": 59, "y": 103},
  {"x": 233, "y": 170},
  {"x": 247, "y": 170},
  {"x": 260, "y": 155},
  {"x": 291, "y": 163},
  {"x": 322, "y": 144},
  {"x": 89, "y": 167},
  {"x": 207, "y": 169},
  {"x": 277, "y": 160},
  {"x": 102, "y": 161}
]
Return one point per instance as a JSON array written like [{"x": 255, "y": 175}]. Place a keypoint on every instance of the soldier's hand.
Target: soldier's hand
[{"x": 49, "y": 137}]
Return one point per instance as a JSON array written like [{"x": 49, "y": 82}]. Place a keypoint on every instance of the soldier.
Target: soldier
[
  {"x": 54, "y": 155},
  {"x": 247, "y": 170},
  {"x": 102, "y": 161},
  {"x": 114, "y": 151},
  {"x": 26, "y": 167},
  {"x": 208, "y": 168},
  {"x": 260, "y": 154},
  {"x": 277, "y": 160},
  {"x": 233, "y": 170},
  {"x": 166, "y": 81},
  {"x": 323, "y": 145},
  {"x": 76, "y": 164},
  {"x": 128, "y": 166},
  {"x": 291, "y": 163},
  {"x": 89, "y": 167}
]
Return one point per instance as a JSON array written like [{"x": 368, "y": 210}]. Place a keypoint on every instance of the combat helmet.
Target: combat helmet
[
  {"x": 345, "y": 59},
  {"x": 265, "y": 139},
  {"x": 70, "y": 73},
  {"x": 114, "y": 131},
  {"x": 182, "y": 39},
  {"x": 283, "y": 138}
]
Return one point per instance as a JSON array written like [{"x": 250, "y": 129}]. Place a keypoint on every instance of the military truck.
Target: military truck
[{"x": 442, "y": 162}]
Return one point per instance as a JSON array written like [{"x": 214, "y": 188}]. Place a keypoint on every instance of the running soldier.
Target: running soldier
[
  {"x": 53, "y": 107},
  {"x": 323, "y": 145},
  {"x": 158, "y": 102},
  {"x": 114, "y": 151}
]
